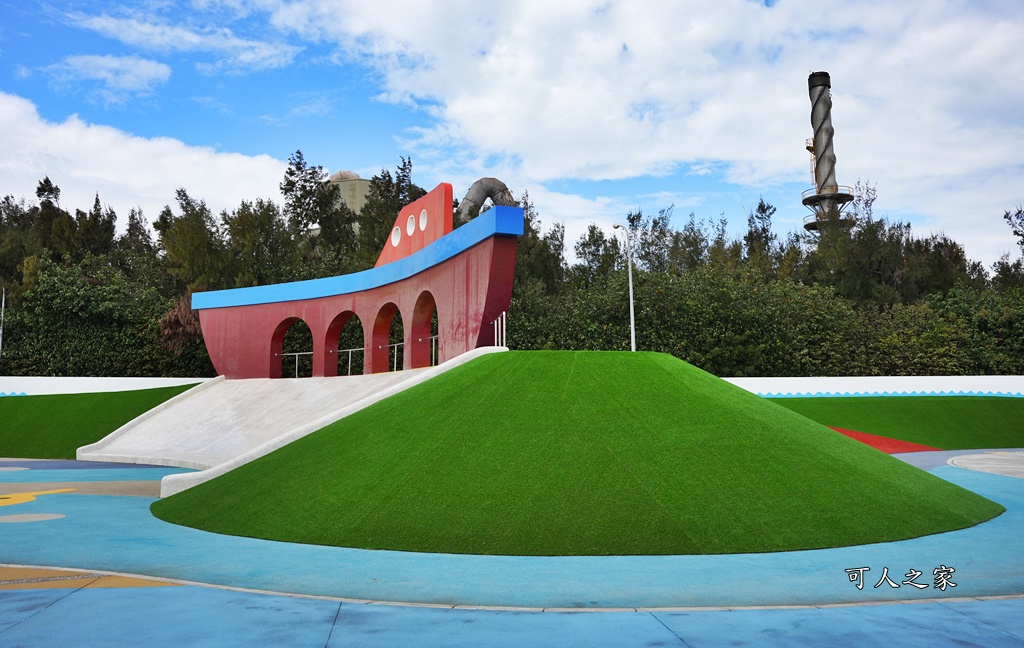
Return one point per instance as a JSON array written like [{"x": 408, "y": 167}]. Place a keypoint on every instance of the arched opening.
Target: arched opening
[
  {"x": 423, "y": 351},
  {"x": 345, "y": 346},
  {"x": 292, "y": 350},
  {"x": 387, "y": 341}
]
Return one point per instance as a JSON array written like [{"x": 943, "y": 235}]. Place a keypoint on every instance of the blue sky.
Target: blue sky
[{"x": 594, "y": 107}]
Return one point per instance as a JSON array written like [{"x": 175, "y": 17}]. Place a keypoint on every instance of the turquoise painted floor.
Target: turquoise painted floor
[
  {"x": 117, "y": 534},
  {"x": 199, "y": 616}
]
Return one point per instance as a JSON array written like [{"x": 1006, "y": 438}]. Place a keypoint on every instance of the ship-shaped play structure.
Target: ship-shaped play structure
[{"x": 463, "y": 274}]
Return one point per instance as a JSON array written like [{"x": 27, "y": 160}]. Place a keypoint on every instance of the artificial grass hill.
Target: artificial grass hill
[
  {"x": 947, "y": 422},
  {"x": 577, "y": 453},
  {"x": 54, "y": 426}
]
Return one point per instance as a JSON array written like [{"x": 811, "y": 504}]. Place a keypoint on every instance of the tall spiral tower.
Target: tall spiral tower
[{"x": 827, "y": 199}]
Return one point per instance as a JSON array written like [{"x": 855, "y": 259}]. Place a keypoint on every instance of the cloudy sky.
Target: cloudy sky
[{"x": 594, "y": 107}]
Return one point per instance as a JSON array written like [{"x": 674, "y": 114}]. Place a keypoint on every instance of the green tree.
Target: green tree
[
  {"x": 134, "y": 254},
  {"x": 94, "y": 230},
  {"x": 990, "y": 326},
  {"x": 54, "y": 228},
  {"x": 652, "y": 239},
  {"x": 18, "y": 240},
  {"x": 137, "y": 235},
  {"x": 723, "y": 252},
  {"x": 759, "y": 240},
  {"x": 1015, "y": 219},
  {"x": 88, "y": 319},
  {"x": 881, "y": 262},
  {"x": 598, "y": 255},
  {"x": 259, "y": 243},
  {"x": 540, "y": 261},
  {"x": 388, "y": 194},
  {"x": 307, "y": 194},
  {"x": 317, "y": 217},
  {"x": 689, "y": 247},
  {"x": 1008, "y": 275},
  {"x": 193, "y": 244}
]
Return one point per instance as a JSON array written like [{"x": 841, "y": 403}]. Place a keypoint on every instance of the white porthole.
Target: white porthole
[
  {"x": 423, "y": 220},
  {"x": 410, "y": 225},
  {"x": 396, "y": 236}
]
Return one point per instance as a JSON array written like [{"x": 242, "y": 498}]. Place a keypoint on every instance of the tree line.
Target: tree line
[{"x": 861, "y": 297}]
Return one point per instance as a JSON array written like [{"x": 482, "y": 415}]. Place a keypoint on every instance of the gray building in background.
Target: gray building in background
[{"x": 351, "y": 188}]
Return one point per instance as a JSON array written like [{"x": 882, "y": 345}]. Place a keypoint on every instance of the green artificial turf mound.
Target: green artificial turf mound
[
  {"x": 577, "y": 453},
  {"x": 947, "y": 422},
  {"x": 55, "y": 426}
]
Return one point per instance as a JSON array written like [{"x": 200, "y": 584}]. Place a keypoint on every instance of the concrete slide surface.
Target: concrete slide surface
[{"x": 222, "y": 424}]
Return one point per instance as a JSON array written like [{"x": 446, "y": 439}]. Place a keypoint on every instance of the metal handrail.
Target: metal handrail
[
  {"x": 500, "y": 325},
  {"x": 296, "y": 354},
  {"x": 394, "y": 364},
  {"x": 838, "y": 190},
  {"x": 350, "y": 352},
  {"x": 433, "y": 348}
]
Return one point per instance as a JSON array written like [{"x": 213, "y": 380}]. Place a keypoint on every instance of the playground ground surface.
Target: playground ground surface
[{"x": 117, "y": 576}]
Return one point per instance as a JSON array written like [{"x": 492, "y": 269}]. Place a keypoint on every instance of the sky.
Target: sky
[{"x": 595, "y": 107}]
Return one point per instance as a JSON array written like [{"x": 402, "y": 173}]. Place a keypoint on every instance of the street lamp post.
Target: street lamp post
[
  {"x": 3, "y": 309},
  {"x": 629, "y": 271}
]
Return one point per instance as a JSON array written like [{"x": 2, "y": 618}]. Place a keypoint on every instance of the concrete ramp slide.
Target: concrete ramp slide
[{"x": 222, "y": 424}]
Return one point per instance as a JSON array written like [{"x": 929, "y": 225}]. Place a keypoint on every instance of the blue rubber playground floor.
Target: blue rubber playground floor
[{"x": 958, "y": 588}]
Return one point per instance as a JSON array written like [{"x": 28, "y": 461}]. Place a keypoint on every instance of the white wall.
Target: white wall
[
  {"x": 39, "y": 385},
  {"x": 886, "y": 385},
  {"x": 859, "y": 386}
]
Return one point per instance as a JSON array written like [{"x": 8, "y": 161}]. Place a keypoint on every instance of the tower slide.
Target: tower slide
[{"x": 222, "y": 424}]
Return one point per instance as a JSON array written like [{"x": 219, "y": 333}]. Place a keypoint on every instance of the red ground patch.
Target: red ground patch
[{"x": 885, "y": 444}]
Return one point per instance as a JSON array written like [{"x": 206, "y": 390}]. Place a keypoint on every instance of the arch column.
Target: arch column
[
  {"x": 331, "y": 343},
  {"x": 327, "y": 367},
  {"x": 417, "y": 335},
  {"x": 277, "y": 347},
  {"x": 376, "y": 353}
]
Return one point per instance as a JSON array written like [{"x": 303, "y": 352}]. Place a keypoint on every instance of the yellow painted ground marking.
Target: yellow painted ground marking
[
  {"x": 16, "y": 573},
  {"x": 10, "y": 499},
  {"x": 21, "y": 578}
]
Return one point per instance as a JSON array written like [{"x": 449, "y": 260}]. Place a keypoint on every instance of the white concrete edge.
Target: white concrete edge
[
  {"x": 91, "y": 452},
  {"x": 796, "y": 387},
  {"x": 172, "y": 484},
  {"x": 48, "y": 385},
  {"x": 146, "y": 460}
]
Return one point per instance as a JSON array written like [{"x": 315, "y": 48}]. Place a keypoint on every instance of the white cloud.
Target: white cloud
[
  {"x": 127, "y": 171},
  {"x": 240, "y": 54},
  {"x": 927, "y": 95},
  {"x": 311, "y": 104},
  {"x": 119, "y": 77},
  {"x": 605, "y": 90},
  {"x": 211, "y": 103}
]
